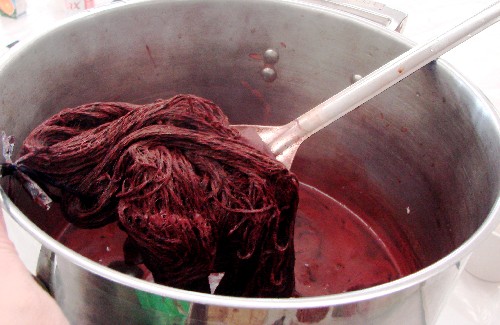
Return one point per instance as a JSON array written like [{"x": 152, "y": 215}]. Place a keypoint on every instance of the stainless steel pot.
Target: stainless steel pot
[{"x": 424, "y": 153}]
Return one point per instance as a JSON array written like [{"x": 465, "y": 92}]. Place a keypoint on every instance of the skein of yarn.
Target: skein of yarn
[{"x": 193, "y": 196}]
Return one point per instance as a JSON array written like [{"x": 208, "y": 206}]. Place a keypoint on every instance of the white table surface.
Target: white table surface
[{"x": 473, "y": 301}]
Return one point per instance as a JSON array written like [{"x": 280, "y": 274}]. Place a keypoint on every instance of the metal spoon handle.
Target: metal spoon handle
[{"x": 379, "y": 80}]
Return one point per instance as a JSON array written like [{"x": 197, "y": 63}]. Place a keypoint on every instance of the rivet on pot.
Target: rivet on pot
[
  {"x": 355, "y": 78},
  {"x": 271, "y": 56},
  {"x": 268, "y": 74}
]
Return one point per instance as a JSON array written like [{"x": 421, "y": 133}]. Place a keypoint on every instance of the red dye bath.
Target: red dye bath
[{"x": 335, "y": 250}]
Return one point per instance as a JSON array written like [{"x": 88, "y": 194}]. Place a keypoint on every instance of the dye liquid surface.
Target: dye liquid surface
[{"x": 335, "y": 250}]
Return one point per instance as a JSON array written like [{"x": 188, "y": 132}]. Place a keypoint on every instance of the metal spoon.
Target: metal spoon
[{"x": 284, "y": 141}]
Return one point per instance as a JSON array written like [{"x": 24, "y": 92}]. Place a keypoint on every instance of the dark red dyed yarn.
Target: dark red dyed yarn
[{"x": 188, "y": 190}]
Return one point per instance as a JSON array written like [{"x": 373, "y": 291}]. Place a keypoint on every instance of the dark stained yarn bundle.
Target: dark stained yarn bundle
[{"x": 189, "y": 191}]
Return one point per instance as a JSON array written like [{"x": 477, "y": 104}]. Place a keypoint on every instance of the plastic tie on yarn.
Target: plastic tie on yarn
[
  {"x": 9, "y": 168},
  {"x": 7, "y": 147}
]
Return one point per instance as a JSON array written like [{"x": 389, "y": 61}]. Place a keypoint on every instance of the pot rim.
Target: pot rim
[{"x": 456, "y": 257}]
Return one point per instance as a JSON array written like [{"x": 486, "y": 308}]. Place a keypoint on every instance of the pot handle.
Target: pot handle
[{"x": 372, "y": 11}]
